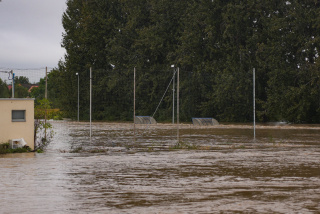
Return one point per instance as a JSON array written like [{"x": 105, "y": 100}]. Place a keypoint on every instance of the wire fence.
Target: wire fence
[
  {"x": 33, "y": 74},
  {"x": 155, "y": 95}
]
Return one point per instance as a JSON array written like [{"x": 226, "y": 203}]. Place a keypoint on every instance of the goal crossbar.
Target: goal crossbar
[
  {"x": 207, "y": 121},
  {"x": 144, "y": 120}
]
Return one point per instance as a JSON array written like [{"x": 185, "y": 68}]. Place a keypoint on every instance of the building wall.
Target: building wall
[{"x": 15, "y": 130}]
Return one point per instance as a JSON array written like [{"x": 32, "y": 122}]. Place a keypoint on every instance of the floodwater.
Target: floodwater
[{"x": 218, "y": 169}]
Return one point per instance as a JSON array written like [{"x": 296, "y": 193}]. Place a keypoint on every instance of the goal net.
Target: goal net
[
  {"x": 144, "y": 120},
  {"x": 204, "y": 121}
]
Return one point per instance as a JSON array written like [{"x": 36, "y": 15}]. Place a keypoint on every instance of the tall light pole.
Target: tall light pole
[
  {"x": 172, "y": 66},
  {"x": 78, "y": 95}
]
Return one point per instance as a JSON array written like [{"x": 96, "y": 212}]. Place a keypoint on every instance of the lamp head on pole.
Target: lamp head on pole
[{"x": 77, "y": 74}]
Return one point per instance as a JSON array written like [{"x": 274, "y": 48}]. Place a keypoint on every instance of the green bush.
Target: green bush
[{"x": 5, "y": 149}]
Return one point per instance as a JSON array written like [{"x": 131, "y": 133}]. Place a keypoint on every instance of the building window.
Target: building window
[{"x": 18, "y": 115}]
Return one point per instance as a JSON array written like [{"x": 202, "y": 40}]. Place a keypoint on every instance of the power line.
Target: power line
[{"x": 8, "y": 72}]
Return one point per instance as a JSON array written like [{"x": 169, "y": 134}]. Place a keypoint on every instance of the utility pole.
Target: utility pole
[
  {"x": 46, "y": 92},
  {"x": 12, "y": 83},
  {"x": 45, "y": 113}
]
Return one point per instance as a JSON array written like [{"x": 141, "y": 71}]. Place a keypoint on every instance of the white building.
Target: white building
[{"x": 17, "y": 120}]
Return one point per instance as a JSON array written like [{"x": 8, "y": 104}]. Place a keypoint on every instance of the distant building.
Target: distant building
[
  {"x": 28, "y": 86},
  {"x": 17, "y": 120},
  {"x": 31, "y": 87}
]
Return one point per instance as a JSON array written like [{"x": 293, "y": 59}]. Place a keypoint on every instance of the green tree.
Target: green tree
[
  {"x": 4, "y": 91},
  {"x": 289, "y": 56},
  {"x": 216, "y": 44},
  {"x": 21, "y": 80},
  {"x": 43, "y": 131},
  {"x": 20, "y": 91},
  {"x": 39, "y": 92},
  {"x": 90, "y": 25}
]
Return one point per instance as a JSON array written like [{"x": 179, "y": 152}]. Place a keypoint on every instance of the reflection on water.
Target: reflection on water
[{"x": 229, "y": 172}]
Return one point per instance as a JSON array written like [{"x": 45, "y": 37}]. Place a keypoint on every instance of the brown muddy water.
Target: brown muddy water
[{"x": 214, "y": 170}]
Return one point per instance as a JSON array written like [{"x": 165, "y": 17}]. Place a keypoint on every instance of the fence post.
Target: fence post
[
  {"x": 254, "y": 104},
  {"x": 178, "y": 91},
  {"x": 134, "y": 104},
  {"x": 90, "y": 104}
]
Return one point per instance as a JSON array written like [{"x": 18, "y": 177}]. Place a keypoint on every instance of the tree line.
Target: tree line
[{"x": 215, "y": 43}]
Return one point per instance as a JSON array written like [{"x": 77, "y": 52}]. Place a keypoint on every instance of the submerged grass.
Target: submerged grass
[
  {"x": 80, "y": 149},
  {"x": 76, "y": 150},
  {"x": 184, "y": 145}
]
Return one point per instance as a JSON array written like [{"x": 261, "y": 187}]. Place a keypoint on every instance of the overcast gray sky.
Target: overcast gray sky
[{"x": 31, "y": 33}]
